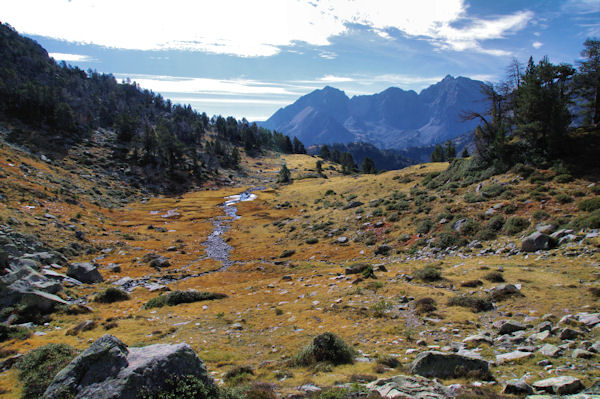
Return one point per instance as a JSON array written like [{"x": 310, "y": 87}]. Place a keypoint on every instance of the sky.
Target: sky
[{"x": 249, "y": 58}]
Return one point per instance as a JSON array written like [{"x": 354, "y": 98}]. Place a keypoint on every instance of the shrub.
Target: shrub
[
  {"x": 493, "y": 190},
  {"x": 393, "y": 217},
  {"x": 446, "y": 240},
  {"x": 515, "y": 225},
  {"x": 589, "y": 205},
  {"x": 474, "y": 303},
  {"x": 238, "y": 374},
  {"x": 470, "y": 227},
  {"x": 185, "y": 387},
  {"x": 326, "y": 347},
  {"x": 595, "y": 291},
  {"x": 312, "y": 240},
  {"x": 38, "y": 367},
  {"x": 472, "y": 197},
  {"x": 564, "y": 178},
  {"x": 388, "y": 361},
  {"x": 379, "y": 308},
  {"x": 177, "y": 297},
  {"x": 540, "y": 215},
  {"x": 564, "y": 198},
  {"x": 425, "y": 305},
  {"x": 472, "y": 283},
  {"x": 258, "y": 391},
  {"x": 494, "y": 277},
  {"x": 111, "y": 295},
  {"x": 523, "y": 170},
  {"x": 424, "y": 226},
  {"x": 428, "y": 273},
  {"x": 10, "y": 332}
]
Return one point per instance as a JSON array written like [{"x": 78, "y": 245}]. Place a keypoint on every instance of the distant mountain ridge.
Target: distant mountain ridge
[{"x": 394, "y": 118}]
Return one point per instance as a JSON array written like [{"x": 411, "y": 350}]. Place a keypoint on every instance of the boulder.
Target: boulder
[
  {"x": 569, "y": 333},
  {"x": 401, "y": 386},
  {"x": 85, "y": 272},
  {"x": 536, "y": 241},
  {"x": 27, "y": 286},
  {"x": 110, "y": 370},
  {"x": 513, "y": 356},
  {"x": 448, "y": 365},
  {"x": 563, "y": 385},
  {"x": 509, "y": 327},
  {"x": 504, "y": 291},
  {"x": 550, "y": 350},
  {"x": 582, "y": 354},
  {"x": 517, "y": 387}
]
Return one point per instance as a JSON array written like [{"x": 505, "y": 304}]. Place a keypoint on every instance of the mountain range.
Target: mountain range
[{"x": 394, "y": 118}]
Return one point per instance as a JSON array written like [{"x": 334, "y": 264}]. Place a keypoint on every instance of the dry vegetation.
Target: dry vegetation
[{"x": 275, "y": 305}]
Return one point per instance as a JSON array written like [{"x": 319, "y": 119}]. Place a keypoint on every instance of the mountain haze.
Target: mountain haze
[{"x": 394, "y": 118}]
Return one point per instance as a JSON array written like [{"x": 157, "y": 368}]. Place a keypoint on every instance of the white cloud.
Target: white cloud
[
  {"x": 71, "y": 57},
  {"x": 335, "y": 79},
  {"x": 251, "y": 28},
  {"x": 537, "y": 45},
  {"x": 581, "y": 6}
]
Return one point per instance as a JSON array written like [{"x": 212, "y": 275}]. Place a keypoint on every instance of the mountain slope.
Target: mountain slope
[{"x": 394, "y": 118}]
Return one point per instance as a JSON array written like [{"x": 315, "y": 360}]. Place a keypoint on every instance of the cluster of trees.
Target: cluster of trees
[
  {"x": 447, "y": 152},
  {"x": 346, "y": 160},
  {"x": 151, "y": 132},
  {"x": 531, "y": 112}
]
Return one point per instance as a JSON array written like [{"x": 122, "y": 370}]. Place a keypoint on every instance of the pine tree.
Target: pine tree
[
  {"x": 465, "y": 153},
  {"x": 368, "y": 166},
  {"x": 438, "y": 154},
  {"x": 284, "y": 175},
  {"x": 588, "y": 79},
  {"x": 324, "y": 152},
  {"x": 450, "y": 150}
]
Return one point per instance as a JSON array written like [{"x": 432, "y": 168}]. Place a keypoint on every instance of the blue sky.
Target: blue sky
[{"x": 249, "y": 58}]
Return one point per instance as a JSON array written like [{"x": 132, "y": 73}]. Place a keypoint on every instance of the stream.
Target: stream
[{"x": 216, "y": 247}]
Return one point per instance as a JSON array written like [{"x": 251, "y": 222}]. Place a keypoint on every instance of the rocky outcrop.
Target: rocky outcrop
[
  {"x": 110, "y": 370},
  {"x": 402, "y": 386},
  {"x": 448, "y": 365},
  {"x": 84, "y": 272},
  {"x": 563, "y": 385},
  {"x": 537, "y": 241}
]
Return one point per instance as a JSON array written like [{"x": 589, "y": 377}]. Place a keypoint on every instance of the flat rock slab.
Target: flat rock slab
[
  {"x": 404, "y": 387},
  {"x": 563, "y": 385},
  {"x": 447, "y": 365},
  {"x": 550, "y": 350},
  {"x": 513, "y": 356}
]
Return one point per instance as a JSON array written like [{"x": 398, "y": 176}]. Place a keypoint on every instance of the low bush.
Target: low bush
[
  {"x": 287, "y": 253},
  {"x": 38, "y": 367},
  {"x": 312, "y": 240},
  {"x": 111, "y": 295},
  {"x": 540, "y": 215},
  {"x": 564, "y": 178},
  {"x": 493, "y": 190},
  {"x": 326, "y": 347},
  {"x": 474, "y": 303},
  {"x": 472, "y": 283},
  {"x": 446, "y": 240},
  {"x": 425, "y": 305},
  {"x": 564, "y": 198},
  {"x": 12, "y": 332},
  {"x": 388, "y": 361},
  {"x": 428, "y": 273},
  {"x": 238, "y": 375},
  {"x": 177, "y": 297},
  {"x": 589, "y": 205},
  {"x": 515, "y": 224},
  {"x": 186, "y": 387},
  {"x": 494, "y": 277}
]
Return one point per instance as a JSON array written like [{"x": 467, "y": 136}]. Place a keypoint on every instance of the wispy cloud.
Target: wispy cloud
[
  {"x": 258, "y": 27},
  {"x": 537, "y": 45},
  {"x": 71, "y": 57},
  {"x": 581, "y": 6}
]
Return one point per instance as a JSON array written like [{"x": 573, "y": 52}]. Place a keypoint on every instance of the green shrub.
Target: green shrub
[
  {"x": 446, "y": 240},
  {"x": 515, "y": 225},
  {"x": 326, "y": 347},
  {"x": 38, "y": 367},
  {"x": 494, "y": 277},
  {"x": 564, "y": 198},
  {"x": 428, "y": 273},
  {"x": 540, "y": 215},
  {"x": 388, "y": 361},
  {"x": 523, "y": 170},
  {"x": 185, "y": 387},
  {"x": 509, "y": 209},
  {"x": 380, "y": 308},
  {"x": 12, "y": 332},
  {"x": 111, "y": 295},
  {"x": 592, "y": 221},
  {"x": 496, "y": 223},
  {"x": 564, "y": 178},
  {"x": 472, "y": 283},
  {"x": 425, "y": 226},
  {"x": 474, "y": 303},
  {"x": 312, "y": 240},
  {"x": 177, "y": 297},
  {"x": 393, "y": 217},
  {"x": 493, "y": 190},
  {"x": 470, "y": 227},
  {"x": 238, "y": 375},
  {"x": 425, "y": 305},
  {"x": 589, "y": 205},
  {"x": 471, "y": 197}
]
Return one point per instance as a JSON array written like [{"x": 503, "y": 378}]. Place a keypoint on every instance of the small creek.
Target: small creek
[{"x": 216, "y": 247}]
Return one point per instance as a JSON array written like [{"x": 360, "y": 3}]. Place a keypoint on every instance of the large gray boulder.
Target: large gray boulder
[
  {"x": 448, "y": 365},
  {"x": 84, "y": 272},
  {"x": 402, "y": 386},
  {"x": 563, "y": 385},
  {"x": 536, "y": 242},
  {"x": 24, "y": 285},
  {"x": 110, "y": 370}
]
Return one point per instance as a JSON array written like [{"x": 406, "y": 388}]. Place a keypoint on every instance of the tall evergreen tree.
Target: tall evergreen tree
[
  {"x": 588, "y": 79},
  {"x": 438, "y": 154},
  {"x": 368, "y": 166},
  {"x": 450, "y": 150},
  {"x": 284, "y": 175}
]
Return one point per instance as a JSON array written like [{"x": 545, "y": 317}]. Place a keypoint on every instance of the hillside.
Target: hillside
[{"x": 394, "y": 118}]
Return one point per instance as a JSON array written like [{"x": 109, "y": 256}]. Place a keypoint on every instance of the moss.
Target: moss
[
  {"x": 111, "y": 295},
  {"x": 177, "y": 297},
  {"x": 38, "y": 367}
]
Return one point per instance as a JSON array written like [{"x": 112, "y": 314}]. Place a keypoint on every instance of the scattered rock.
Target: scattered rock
[
  {"x": 509, "y": 327},
  {"x": 109, "y": 370},
  {"x": 513, "y": 356},
  {"x": 582, "y": 354},
  {"x": 550, "y": 350},
  {"x": 517, "y": 387},
  {"x": 85, "y": 272},
  {"x": 402, "y": 386},
  {"x": 563, "y": 385},
  {"x": 504, "y": 291},
  {"x": 569, "y": 333},
  {"x": 86, "y": 325},
  {"x": 448, "y": 365},
  {"x": 536, "y": 241}
]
